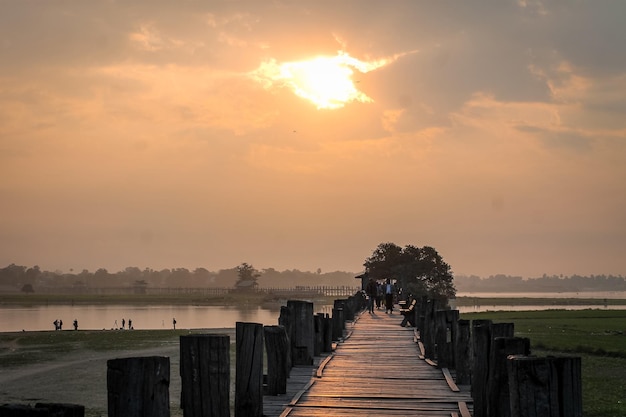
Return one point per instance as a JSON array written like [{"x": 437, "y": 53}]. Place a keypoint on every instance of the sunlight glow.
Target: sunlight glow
[{"x": 325, "y": 81}]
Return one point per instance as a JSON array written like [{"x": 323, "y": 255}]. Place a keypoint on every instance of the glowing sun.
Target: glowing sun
[{"x": 325, "y": 81}]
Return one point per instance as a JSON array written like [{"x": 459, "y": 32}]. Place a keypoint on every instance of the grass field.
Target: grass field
[{"x": 597, "y": 336}]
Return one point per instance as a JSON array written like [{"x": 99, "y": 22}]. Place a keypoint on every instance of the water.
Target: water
[
  {"x": 597, "y": 295},
  {"x": 99, "y": 317},
  {"x": 482, "y": 308},
  {"x": 610, "y": 295}
]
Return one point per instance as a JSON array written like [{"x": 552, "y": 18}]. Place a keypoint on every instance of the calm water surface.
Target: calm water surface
[{"x": 98, "y": 317}]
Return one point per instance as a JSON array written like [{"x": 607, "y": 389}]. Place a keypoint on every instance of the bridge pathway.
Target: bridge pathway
[{"x": 377, "y": 371}]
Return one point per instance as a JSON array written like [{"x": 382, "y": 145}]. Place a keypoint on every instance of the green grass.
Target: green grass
[
  {"x": 597, "y": 336},
  {"x": 536, "y": 301},
  {"x": 599, "y": 332},
  {"x": 24, "y": 348}
]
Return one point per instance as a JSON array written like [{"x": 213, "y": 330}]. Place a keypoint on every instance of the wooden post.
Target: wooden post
[
  {"x": 481, "y": 343},
  {"x": 303, "y": 342},
  {"x": 327, "y": 346},
  {"x": 205, "y": 375},
  {"x": 429, "y": 332},
  {"x": 498, "y": 382},
  {"x": 276, "y": 347},
  {"x": 317, "y": 324},
  {"x": 483, "y": 334},
  {"x": 420, "y": 312},
  {"x": 138, "y": 387},
  {"x": 463, "y": 353},
  {"x": 338, "y": 323},
  {"x": 445, "y": 332},
  {"x": 286, "y": 320},
  {"x": 545, "y": 387},
  {"x": 441, "y": 354},
  {"x": 343, "y": 305},
  {"x": 249, "y": 370}
]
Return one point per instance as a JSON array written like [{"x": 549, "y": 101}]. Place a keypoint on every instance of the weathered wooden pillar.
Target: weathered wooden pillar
[
  {"x": 286, "y": 320},
  {"x": 441, "y": 354},
  {"x": 421, "y": 306},
  {"x": 338, "y": 323},
  {"x": 348, "y": 314},
  {"x": 249, "y": 370},
  {"x": 545, "y": 387},
  {"x": 318, "y": 326},
  {"x": 276, "y": 346},
  {"x": 303, "y": 342},
  {"x": 327, "y": 345},
  {"x": 463, "y": 353},
  {"x": 481, "y": 343},
  {"x": 138, "y": 387},
  {"x": 429, "y": 332},
  {"x": 446, "y": 329},
  {"x": 205, "y": 375},
  {"x": 483, "y": 334},
  {"x": 499, "y": 404}
]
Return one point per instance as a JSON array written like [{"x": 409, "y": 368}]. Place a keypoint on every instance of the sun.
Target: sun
[{"x": 326, "y": 81}]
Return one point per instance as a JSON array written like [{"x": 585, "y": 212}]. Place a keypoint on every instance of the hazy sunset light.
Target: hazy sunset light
[
  {"x": 325, "y": 81},
  {"x": 302, "y": 134}
]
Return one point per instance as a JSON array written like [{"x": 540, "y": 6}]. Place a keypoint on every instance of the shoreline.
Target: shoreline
[{"x": 272, "y": 302}]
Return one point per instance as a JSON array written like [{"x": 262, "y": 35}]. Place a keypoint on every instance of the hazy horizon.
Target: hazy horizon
[{"x": 300, "y": 135}]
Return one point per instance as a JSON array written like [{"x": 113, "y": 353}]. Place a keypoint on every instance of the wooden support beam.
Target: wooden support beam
[{"x": 450, "y": 380}]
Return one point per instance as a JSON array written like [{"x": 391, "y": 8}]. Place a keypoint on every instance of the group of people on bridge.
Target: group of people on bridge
[{"x": 378, "y": 292}]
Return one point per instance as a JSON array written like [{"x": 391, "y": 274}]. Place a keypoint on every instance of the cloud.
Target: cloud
[{"x": 503, "y": 136}]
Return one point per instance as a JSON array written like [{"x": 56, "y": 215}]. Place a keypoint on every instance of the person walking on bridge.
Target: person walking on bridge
[
  {"x": 388, "y": 296},
  {"x": 370, "y": 289}
]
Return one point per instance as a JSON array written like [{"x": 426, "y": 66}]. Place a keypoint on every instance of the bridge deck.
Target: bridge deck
[{"x": 376, "y": 371}]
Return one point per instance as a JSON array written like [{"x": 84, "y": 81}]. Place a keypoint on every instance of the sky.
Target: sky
[{"x": 302, "y": 134}]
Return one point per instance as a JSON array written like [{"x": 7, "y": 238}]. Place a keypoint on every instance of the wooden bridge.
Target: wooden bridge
[{"x": 378, "y": 369}]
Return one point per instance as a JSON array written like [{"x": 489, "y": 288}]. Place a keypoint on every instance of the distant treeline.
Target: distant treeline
[
  {"x": 30, "y": 279},
  {"x": 546, "y": 283}
]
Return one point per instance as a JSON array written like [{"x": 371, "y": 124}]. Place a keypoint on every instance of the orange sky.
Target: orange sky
[{"x": 147, "y": 134}]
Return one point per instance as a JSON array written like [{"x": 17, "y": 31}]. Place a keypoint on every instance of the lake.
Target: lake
[{"x": 99, "y": 317}]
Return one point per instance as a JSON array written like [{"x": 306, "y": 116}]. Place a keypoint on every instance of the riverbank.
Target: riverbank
[
  {"x": 240, "y": 299},
  {"x": 539, "y": 300},
  {"x": 273, "y": 301}
]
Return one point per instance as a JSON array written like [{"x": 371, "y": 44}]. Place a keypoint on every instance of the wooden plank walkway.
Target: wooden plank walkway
[{"x": 376, "y": 371}]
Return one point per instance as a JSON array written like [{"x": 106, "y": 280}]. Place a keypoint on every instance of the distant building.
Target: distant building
[
  {"x": 364, "y": 277},
  {"x": 246, "y": 285}
]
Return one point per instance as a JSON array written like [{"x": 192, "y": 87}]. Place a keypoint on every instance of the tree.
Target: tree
[
  {"x": 420, "y": 271},
  {"x": 247, "y": 274},
  {"x": 28, "y": 289}
]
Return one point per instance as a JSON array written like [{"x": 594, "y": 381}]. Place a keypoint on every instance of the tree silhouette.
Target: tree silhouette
[
  {"x": 420, "y": 271},
  {"x": 247, "y": 273}
]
